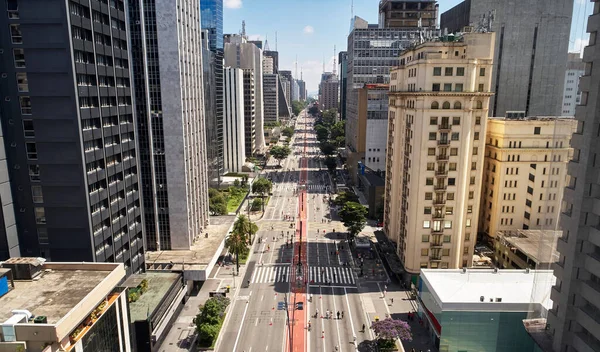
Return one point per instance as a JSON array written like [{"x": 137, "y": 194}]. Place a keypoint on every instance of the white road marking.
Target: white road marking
[
  {"x": 337, "y": 325},
  {"x": 350, "y": 316},
  {"x": 237, "y": 338}
]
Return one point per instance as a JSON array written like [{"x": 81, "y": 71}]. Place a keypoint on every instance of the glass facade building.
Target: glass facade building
[{"x": 212, "y": 19}]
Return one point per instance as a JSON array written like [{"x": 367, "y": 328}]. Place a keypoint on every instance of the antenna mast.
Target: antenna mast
[
  {"x": 275, "y": 40},
  {"x": 352, "y": 9},
  {"x": 334, "y": 72},
  {"x": 243, "y": 29},
  {"x": 296, "y": 74}
]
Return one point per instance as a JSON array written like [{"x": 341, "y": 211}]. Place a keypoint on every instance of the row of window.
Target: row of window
[
  {"x": 460, "y": 71},
  {"x": 429, "y": 195},
  {"x": 453, "y": 151},
  {"x": 445, "y": 238}
]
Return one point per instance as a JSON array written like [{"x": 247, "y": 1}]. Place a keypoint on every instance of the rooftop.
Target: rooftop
[
  {"x": 539, "y": 245},
  {"x": 454, "y": 289},
  {"x": 531, "y": 118},
  {"x": 158, "y": 286},
  {"x": 55, "y": 292}
]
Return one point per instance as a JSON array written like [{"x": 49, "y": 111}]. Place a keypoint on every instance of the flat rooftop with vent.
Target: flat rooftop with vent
[
  {"x": 483, "y": 309},
  {"x": 48, "y": 306}
]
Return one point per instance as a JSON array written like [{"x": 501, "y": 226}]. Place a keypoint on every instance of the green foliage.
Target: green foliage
[
  {"x": 236, "y": 183},
  {"x": 354, "y": 217},
  {"x": 331, "y": 163},
  {"x": 313, "y": 110},
  {"x": 262, "y": 186},
  {"x": 257, "y": 204},
  {"x": 209, "y": 320},
  {"x": 280, "y": 152},
  {"x": 322, "y": 132},
  {"x": 272, "y": 124},
  {"x": 298, "y": 106},
  {"x": 329, "y": 116},
  {"x": 345, "y": 197},
  {"x": 327, "y": 148},
  {"x": 288, "y": 132}
]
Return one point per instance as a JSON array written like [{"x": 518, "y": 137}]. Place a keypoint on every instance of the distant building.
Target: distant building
[
  {"x": 524, "y": 173},
  {"x": 234, "y": 125},
  {"x": 523, "y": 249},
  {"x": 302, "y": 89},
  {"x": 572, "y": 94},
  {"x": 532, "y": 40},
  {"x": 274, "y": 55},
  {"x": 437, "y": 115},
  {"x": 482, "y": 309},
  {"x": 295, "y": 90},
  {"x": 271, "y": 97},
  {"x": 343, "y": 70},
  {"x": 329, "y": 90},
  {"x": 267, "y": 65},
  {"x": 249, "y": 112},
  {"x": 372, "y": 184},
  {"x": 408, "y": 13},
  {"x": 211, "y": 17},
  {"x": 9, "y": 239},
  {"x": 63, "y": 306}
]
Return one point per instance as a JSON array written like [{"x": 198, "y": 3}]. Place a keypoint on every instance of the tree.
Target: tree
[
  {"x": 262, "y": 186},
  {"x": 209, "y": 318},
  {"x": 322, "y": 132},
  {"x": 298, "y": 106},
  {"x": 236, "y": 183},
  {"x": 354, "y": 217},
  {"x": 217, "y": 204},
  {"x": 280, "y": 152},
  {"x": 331, "y": 163},
  {"x": 339, "y": 141},
  {"x": 327, "y": 148},
  {"x": 391, "y": 329},
  {"x": 288, "y": 132},
  {"x": 329, "y": 116},
  {"x": 257, "y": 204},
  {"x": 345, "y": 197}
]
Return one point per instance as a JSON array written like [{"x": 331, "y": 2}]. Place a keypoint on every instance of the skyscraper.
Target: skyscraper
[
  {"x": 343, "y": 70},
  {"x": 573, "y": 320},
  {"x": 171, "y": 125},
  {"x": 438, "y": 103},
  {"x": 329, "y": 89},
  {"x": 531, "y": 51},
  {"x": 211, "y": 19},
  {"x": 69, "y": 131},
  {"x": 234, "y": 141},
  {"x": 9, "y": 237},
  {"x": 571, "y": 93},
  {"x": 271, "y": 97}
]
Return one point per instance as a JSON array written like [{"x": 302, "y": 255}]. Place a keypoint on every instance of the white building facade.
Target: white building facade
[
  {"x": 571, "y": 94},
  {"x": 234, "y": 148}
]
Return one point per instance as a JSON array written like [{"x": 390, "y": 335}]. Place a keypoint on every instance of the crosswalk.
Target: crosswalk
[
  {"x": 334, "y": 275},
  {"x": 294, "y": 187}
]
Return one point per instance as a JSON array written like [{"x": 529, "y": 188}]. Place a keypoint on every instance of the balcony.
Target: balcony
[
  {"x": 435, "y": 258},
  {"x": 443, "y": 157},
  {"x": 443, "y": 142},
  {"x": 441, "y": 173},
  {"x": 440, "y": 187},
  {"x": 436, "y": 244},
  {"x": 437, "y": 216},
  {"x": 439, "y": 201},
  {"x": 437, "y": 231},
  {"x": 444, "y": 127}
]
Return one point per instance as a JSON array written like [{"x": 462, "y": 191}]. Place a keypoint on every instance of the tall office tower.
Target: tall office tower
[
  {"x": 249, "y": 111},
  {"x": 329, "y": 90},
  {"x": 9, "y": 237},
  {"x": 407, "y": 13},
  {"x": 343, "y": 70},
  {"x": 286, "y": 86},
  {"x": 258, "y": 43},
  {"x": 287, "y": 75},
  {"x": 284, "y": 109},
  {"x": 524, "y": 171},
  {"x": 267, "y": 65},
  {"x": 274, "y": 55},
  {"x": 531, "y": 51},
  {"x": 214, "y": 139},
  {"x": 212, "y": 63},
  {"x": 295, "y": 90},
  {"x": 235, "y": 136},
  {"x": 271, "y": 97},
  {"x": 69, "y": 131},
  {"x": 572, "y": 321},
  {"x": 302, "y": 89},
  {"x": 171, "y": 125},
  {"x": 572, "y": 94},
  {"x": 438, "y": 103},
  {"x": 372, "y": 52},
  {"x": 238, "y": 53}
]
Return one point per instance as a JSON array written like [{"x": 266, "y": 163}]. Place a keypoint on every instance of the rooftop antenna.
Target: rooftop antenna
[
  {"x": 302, "y": 79},
  {"x": 334, "y": 73},
  {"x": 296, "y": 74},
  {"x": 323, "y": 63},
  {"x": 267, "y": 42},
  {"x": 243, "y": 29},
  {"x": 275, "y": 40},
  {"x": 352, "y": 9}
]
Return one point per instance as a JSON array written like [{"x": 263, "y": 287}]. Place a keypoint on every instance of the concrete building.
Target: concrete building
[
  {"x": 329, "y": 93},
  {"x": 372, "y": 185},
  {"x": 271, "y": 97},
  {"x": 284, "y": 109},
  {"x": 249, "y": 112},
  {"x": 572, "y": 94},
  {"x": 9, "y": 238},
  {"x": 438, "y": 109},
  {"x": 173, "y": 149},
  {"x": 63, "y": 306},
  {"x": 295, "y": 90},
  {"x": 372, "y": 52},
  {"x": 365, "y": 135},
  {"x": 241, "y": 54},
  {"x": 573, "y": 322},
  {"x": 531, "y": 51},
  {"x": 274, "y": 55},
  {"x": 482, "y": 309},
  {"x": 523, "y": 249},
  {"x": 234, "y": 124},
  {"x": 524, "y": 172},
  {"x": 302, "y": 89},
  {"x": 211, "y": 21},
  {"x": 343, "y": 70},
  {"x": 407, "y": 13},
  {"x": 69, "y": 132},
  {"x": 286, "y": 79},
  {"x": 267, "y": 65}
]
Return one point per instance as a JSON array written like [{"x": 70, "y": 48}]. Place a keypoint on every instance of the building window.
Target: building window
[
  {"x": 471, "y": 194},
  {"x": 460, "y": 71},
  {"x": 429, "y": 181},
  {"x": 424, "y": 252},
  {"x": 447, "y": 238},
  {"x": 19, "y": 57},
  {"x": 427, "y": 210},
  {"x": 424, "y": 238},
  {"x": 28, "y": 130},
  {"x": 478, "y": 105},
  {"x": 466, "y": 250},
  {"x": 430, "y": 151},
  {"x": 42, "y": 235},
  {"x": 428, "y": 196},
  {"x": 452, "y": 166},
  {"x": 22, "y": 82},
  {"x": 478, "y": 120},
  {"x": 447, "y": 87},
  {"x": 450, "y": 196},
  {"x": 435, "y": 105},
  {"x": 458, "y": 87},
  {"x": 25, "y": 103},
  {"x": 482, "y": 71},
  {"x": 34, "y": 172},
  {"x": 537, "y": 130},
  {"x": 480, "y": 87},
  {"x": 455, "y": 136},
  {"x": 448, "y": 71},
  {"x": 15, "y": 34},
  {"x": 452, "y": 180},
  {"x": 426, "y": 224},
  {"x": 37, "y": 195},
  {"x": 430, "y": 166},
  {"x": 40, "y": 215},
  {"x": 476, "y": 136},
  {"x": 437, "y": 71},
  {"x": 468, "y": 223},
  {"x": 31, "y": 150},
  {"x": 445, "y": 252},
  {"x": 435, "y": 87},
  {"x": 475, "y": 150},
  {"x": 449, "y": 210},
  {"x": 433, "y": 121},
  {"x": 472, "y": 180},
  {"x": 446, "y": 105},
  {"x": 453, "y": 151},
  {"x": 432, "y": 136}
]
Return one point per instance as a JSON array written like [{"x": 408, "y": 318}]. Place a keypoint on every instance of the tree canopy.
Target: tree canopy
[
  {"x": 217, "y": 204},
  {"x": 288, "y": 132},
  {"x": 331, "y": 163},
  {"x": 354, "y": 217},
  {"x": 327, "y": 148},
  {"x": 280, "y": 152},
  {"x": 298, "y": 106},
  {"x": 391, "y": 329}
]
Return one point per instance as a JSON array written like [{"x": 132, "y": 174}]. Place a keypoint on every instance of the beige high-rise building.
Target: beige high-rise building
[
  {"x": 438, "y": 106},
  {"x": 524, "y": 172}
]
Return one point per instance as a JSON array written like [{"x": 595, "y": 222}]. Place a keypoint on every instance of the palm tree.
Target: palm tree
[{"x": 240, "y": 237}]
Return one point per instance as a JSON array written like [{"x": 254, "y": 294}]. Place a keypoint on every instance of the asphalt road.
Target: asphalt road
[{"x": 258, "y": 318}]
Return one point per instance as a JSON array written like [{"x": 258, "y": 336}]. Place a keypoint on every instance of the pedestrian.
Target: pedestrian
[
  {"x": 363, "y": 330},
  {"x": 342, "y": 314},
  {"x": 338, "y": 315},
  {"x": 392, "y": 301}
]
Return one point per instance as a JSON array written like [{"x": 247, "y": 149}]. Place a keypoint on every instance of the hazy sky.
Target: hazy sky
[{"x": 309, "y": 29}]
